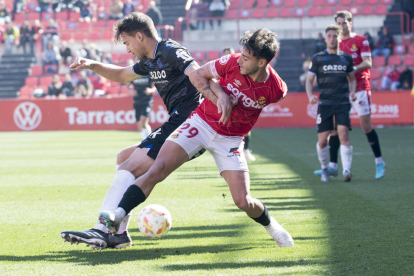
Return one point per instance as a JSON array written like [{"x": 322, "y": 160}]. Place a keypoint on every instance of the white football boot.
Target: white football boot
[{"x": 279, "y": 234}]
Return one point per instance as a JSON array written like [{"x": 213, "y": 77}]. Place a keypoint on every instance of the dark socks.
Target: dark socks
[
  {"x": 333, "y": 148},
  {"x": 374, "y": 142},
  {"x": 264, "y": 219},
  {"x": 246, "y": 142},
  {"x": 132, "y": 198}
]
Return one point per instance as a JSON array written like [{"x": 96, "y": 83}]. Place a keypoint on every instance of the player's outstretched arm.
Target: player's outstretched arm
[
  {"x": 203, "y": 80},
  {"x": 109, "y": 71},
  {"x": 364, "y": 65},
  {"x": 309, "y": 88}
]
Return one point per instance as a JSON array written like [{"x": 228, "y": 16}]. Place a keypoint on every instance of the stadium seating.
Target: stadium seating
[
  {"x": 399, "y": 50},
  {"x": 394, "y": 60},
  {"x": 213, "y": 55},
  {"x": 375, "y": 73},
  {"x": 409, "y": 60},
  {"x": 378, "y": 61}
]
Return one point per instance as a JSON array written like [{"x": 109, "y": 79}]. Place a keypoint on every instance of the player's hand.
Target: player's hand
[
  {"x": 313, "y": 99},
  {"x": 224, "y": 106},
  {"x": 353, "y": 97},
  {"x": 82, "y": 63},
  {"x": 234, "y": 100}
]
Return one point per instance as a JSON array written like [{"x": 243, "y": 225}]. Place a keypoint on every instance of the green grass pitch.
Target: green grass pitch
[{"x": 56, "y": 181}]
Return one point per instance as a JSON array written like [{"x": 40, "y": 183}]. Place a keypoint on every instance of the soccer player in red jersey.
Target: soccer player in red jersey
[
  {"x": 253, "y": 84},
  {"x": 358, "y": 47}
]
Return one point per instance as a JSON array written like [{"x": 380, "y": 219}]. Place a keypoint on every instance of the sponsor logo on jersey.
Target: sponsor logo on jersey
[
  {"x": 354, "y": 48},
  {"x": 234, "y": 151},
  {"x": 362, "y": 103},
  {"x": 175, "y": 135},
  {"x": 334, "y": 67},
  {"x": 354, "y": 55},
  {"x": 224, "y": 59},
  {"x": 262, "y": 100},
  {"x": 365, "y": 43},
  {"x": 27, "y": 116},
  {"x": 275, "y": 110},
  {"x": 181, "y": 53},
  {"x": 155, "y": 75},
  {"x": 247, "y": 102},
  {"x": 154, "y": 134},
  {"x": 237, "y": 83}
]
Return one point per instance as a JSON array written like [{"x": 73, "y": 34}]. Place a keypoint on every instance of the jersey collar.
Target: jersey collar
[{"x": 156, "y": 46}]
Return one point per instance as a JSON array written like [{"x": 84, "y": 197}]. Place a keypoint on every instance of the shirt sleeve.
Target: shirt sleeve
[
  {"x": 220, "y": 67},
  {"x": 313, "y": 67},
  {"x": 365, "y": 50},
  {"x": 180, "y": 59},
  {"x": 139, "y": 69},
  {"x": 350, "y": 68}
]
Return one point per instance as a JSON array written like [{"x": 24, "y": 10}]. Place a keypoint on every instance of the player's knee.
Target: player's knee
[
  {"x": 323, "y": 143},
  {"x": 243, "y": 203},
  {"x": 157, "y": 172},
  {"x": 121, "y": 157},
  {"x": 367, "y": 128}
]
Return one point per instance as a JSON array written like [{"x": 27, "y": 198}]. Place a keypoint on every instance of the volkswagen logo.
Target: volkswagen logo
[{"x": 27, "y": 116}]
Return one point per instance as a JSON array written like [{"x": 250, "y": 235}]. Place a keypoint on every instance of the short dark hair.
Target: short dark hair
[
  {"x": 345, "y": 15},
  {"x": 133, "y": 23},
  {"x": 228, "y": 48},
  {"x": 335, "y": 28},
  {"x": 262, "y": 42}
]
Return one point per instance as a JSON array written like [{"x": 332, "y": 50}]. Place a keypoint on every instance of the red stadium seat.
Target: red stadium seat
[
  {"x": 107, "y": 36},
  {"x": 71, "y": 26},
  {"x": 354, "y": 10},
  {"x": 360, "y": 2},
  {"x": 399, "y": 50},
  {"x": 198, "y": 55},
  {"x": 31, "y": 16},
  {"x": 45, "y": 80},
  {"x": 285, "y": 13},
  {"x": 125, "y": 56},
  {"x": 411, "y": 49},
  {"x": 94, "y": 36},
  {"x": 19, "y": 17},
  {"x": 258, "y": 13},
  {"x": 262, "y": 3},
  {"x": 386, "y": 2},
  {"x": 378, "y": 61},
  {"x": 372, "y": 2},
  {"x": 367, "y": 10},
  {"x": 326, "y": 11},
  {"x": 378, "y": 85},
  {"x": 339, "y": 8},
  {"x": 113, "y": 90},
  {"x": 212, "y": 55},
  {"x": 84, "y": 26},
  {"x": 248, "y": 4},
  {"x": 67, "y": 36},
  {"x": 380, "y": 10},
  {"x": 115, "y": 57},
  {"x": 318, "y": 2},
  {"x": 299, "y": 12},
  {"x": 394, "y": 60},
  {"x": 235, "y": 4},
  {"x": 303, "y": 3},
  {"x": 74, "y": 16},
  {"x": 271, "y": 13},
  {"x": 244, "y": 13},
  {"x": 289, "y": 3},
  {"x": 276, "y": 3},
  {"x": 110, "y": 24},
  {"x": 331, "y": 2},
  {"x": 25, "y": 92},
  {"x": 36, "y": 70},
  {"x": 314, "y": 11},
  {"x": 409, "y": 60},
  {"x": 32, "y": 81},
  {"x": 345, "y": 2},
  {"x": 375, "y": 73},
  {"x": 47, "y": 16},
  {"x": 80, "y": 36},
  {"x": 231, "y": 14},
  {"x": 62, "y": 15},
  {"x": 101, "y": 24}
]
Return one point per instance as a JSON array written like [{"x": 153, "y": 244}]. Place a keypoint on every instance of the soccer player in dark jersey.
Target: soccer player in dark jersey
[
  {"x": 358, "y": 47},
  {"x": 142, "y": 90},
  {"x": 253, "y": 84},
  {"x": 168, "y": 64},
  {"x": 333, "y": 71}
]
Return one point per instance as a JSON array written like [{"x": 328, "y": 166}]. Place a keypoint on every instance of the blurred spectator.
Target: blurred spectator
[
  {"x": 384, "y": 44},
  {"x": 70, "y": 5},
  {"x": 305, "y": 67},
  {"x": 55, "y": 88},
  {"x": 65, "y": 53},
  {"x": 391, "y": 79},
  {"x": 26, "y": 37},
  {"x": 84, "y": 51},
  {"x": 115, "y": 10},
  {"x": 4, "y": 13},
  {"x": 107, "y": 58},
  {"x": 56, "y": 5},
  {"x": 18, "y": 6},
  {"x": 36, "y": 31},
  {"x": 320, "y": 44},
  {"x": 406, "y": 79},
  {"x": 370, "y": 40},
  {"x": 193, "y": 23},
  {"x": 154, "y": 13},
  {"x": 50, "y": 56},
  {"x": 84, "y": 86},
  {"x": 87, "y": 9},
  {"x": 102, "y": 13},
  {"x": 268, "y": 3},
  {"x": 128, "y": 7},
  {"x": 10, "y": 37},
  {"x": 202, "y": 12},
  {"x": 51, "y": 33},
  {"x": 67, "y": 86},
  {"x": 93, "y": 55},
  {"x": 99, "y": 84},
  {"x": 228, "y": 51},
  {"x": 217, "y": 9},
  {"x": 43, "y": 5}
]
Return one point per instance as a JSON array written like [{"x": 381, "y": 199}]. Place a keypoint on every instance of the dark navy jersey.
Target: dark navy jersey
[
  {"x": 332, "y": 71},
  {"x": 167, "y": 72},
  {"x": 140, "y": 85}
]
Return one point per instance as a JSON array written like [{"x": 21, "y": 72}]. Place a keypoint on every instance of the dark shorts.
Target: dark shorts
[
  {"x": 157, "y": 138},
  {"x": 142, "y": 110},
  {"x": 330, "y": 116}
]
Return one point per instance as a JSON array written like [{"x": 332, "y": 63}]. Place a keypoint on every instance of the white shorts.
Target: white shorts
[
  {"x": 195, "y": 134},
  {"x": 362, "y": 104}
]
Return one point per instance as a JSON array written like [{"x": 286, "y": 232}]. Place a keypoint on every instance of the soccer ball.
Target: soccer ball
[{"x": 154, "y": 221}]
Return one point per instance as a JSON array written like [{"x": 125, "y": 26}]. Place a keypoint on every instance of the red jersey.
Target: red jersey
[
  {"x": 358, "y": 47},
  {"x": 252, "y": 96}
]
